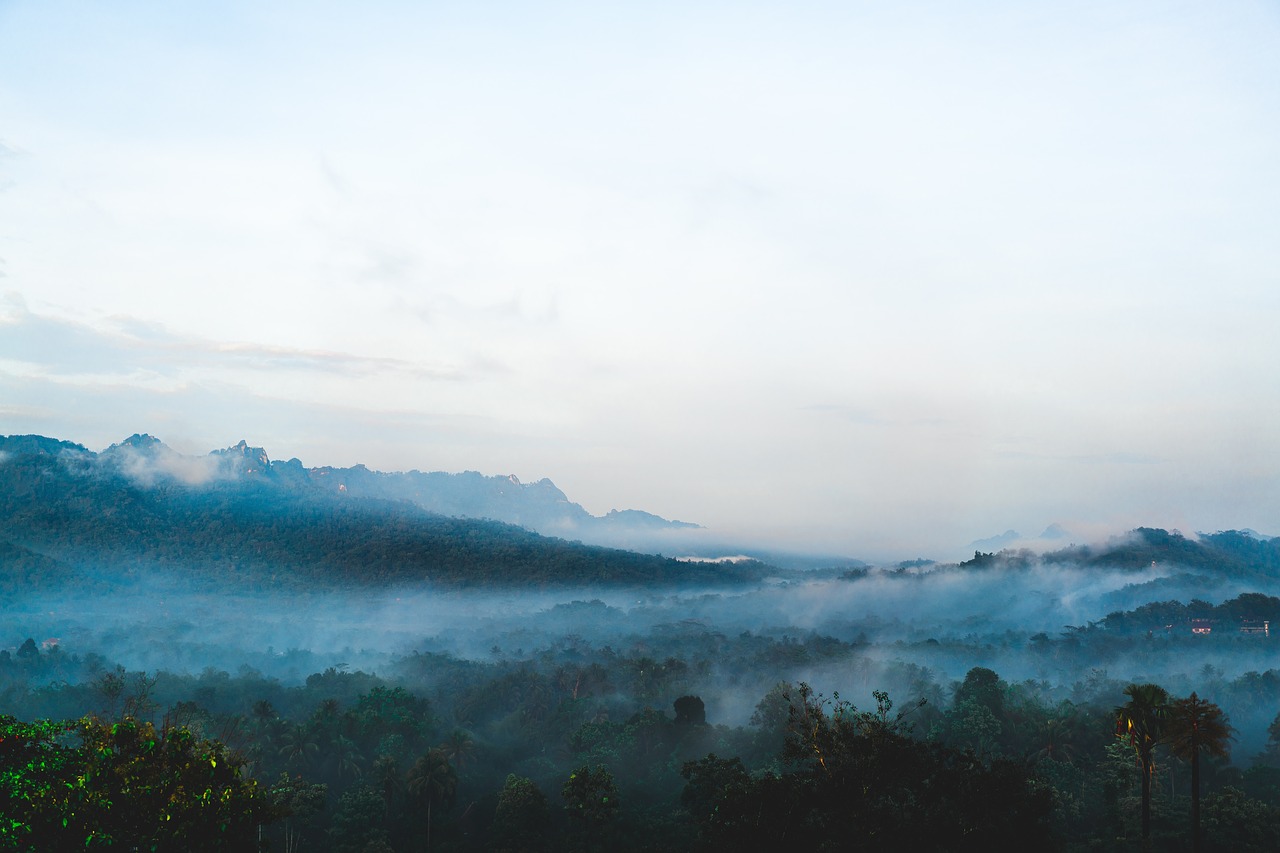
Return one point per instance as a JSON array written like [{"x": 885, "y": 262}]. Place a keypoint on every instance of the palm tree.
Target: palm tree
[
  {"x": 433, "y": 779},
  {"x": 386, "y": 777},
  {"x": 459, "y": 747},
  {"x": 1056, "y": 740},
  {"x": 298, "y": 746},
  {"x": 345, "y": 757},
  {"x": 1141, "y": 720},
  {"x": 1194, "y": 725}
]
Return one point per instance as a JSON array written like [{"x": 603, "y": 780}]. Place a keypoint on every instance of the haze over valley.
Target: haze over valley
[{"x": 207, "y": 584}]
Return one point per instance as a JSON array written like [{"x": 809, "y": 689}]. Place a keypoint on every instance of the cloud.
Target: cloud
[
  {"x": 129, "y": 348},
  {"x": 146, "y": 467}
]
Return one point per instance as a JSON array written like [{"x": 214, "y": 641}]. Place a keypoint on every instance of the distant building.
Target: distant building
[
  {"x": 1255, "y": 626},
  {"x": 1201, "y": 626}
]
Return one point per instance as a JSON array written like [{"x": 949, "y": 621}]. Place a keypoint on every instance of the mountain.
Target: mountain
[
  {"x": 539, "y": 506},
  {"x": 140, "y": 507},
  {"x": 1055, "y": 531},
  {"x": 1227, "y": 554},
  {"x": 995, "y": 543}
]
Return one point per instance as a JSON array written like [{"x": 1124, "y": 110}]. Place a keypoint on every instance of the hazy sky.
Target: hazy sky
[{"x": 875, "y": 277}]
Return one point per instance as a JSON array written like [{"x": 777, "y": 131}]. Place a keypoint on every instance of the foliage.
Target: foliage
[
  {"x": 591, "y": 803},
  {"x": 523, "y": 818},
  {"x": 123, "y": 784},
  {"x": 1233, "y": 822},
  {"x": 297, "y": 802},
  {"x": 861, "y": 780}
]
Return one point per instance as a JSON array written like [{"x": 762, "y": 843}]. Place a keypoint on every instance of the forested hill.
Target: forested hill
[
  {"x": 67, "y": 514},
  {"x": 1231, "y": 553}
]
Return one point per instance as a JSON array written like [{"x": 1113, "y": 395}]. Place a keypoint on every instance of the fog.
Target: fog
[{"x": 900, "y": 628}]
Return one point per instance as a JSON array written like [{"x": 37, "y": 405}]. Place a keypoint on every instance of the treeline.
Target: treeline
[
  {"x": 1231, "y": 553},
  {"x": 582, "y": 747},
  {"x": 1251, "y": 613}
]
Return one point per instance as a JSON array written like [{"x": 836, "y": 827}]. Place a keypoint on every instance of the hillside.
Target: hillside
[{"x": 66, "y": 512}]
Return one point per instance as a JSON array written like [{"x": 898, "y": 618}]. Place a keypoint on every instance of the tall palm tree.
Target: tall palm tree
[
  {"x": 1141, "y": 720},
  {"x": 1194, "y": 725},
  {"x": 432, "y": 779}
]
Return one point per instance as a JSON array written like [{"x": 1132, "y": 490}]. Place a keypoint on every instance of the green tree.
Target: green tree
[
  {"x": 984, "y": 688},
  {"x": 459, "y": 747},
  {"x": 1234, "y": 823},
  {"x": 857, "y": 780},
  {"x": 974, "y": 727},
  {"x": 345, "y": 758},
  {"x": 385, "y": 777},
  {"x": 358, "y": 821},
  {"x": 1141, "y": 720},
  {"x": 124, "y": 785},
  {"x": 299, "y": 746},
  {"x": 591, "y": 801},
  {"x": 433, "y": 780},
  {"x": 1055, "y": 740},
  {"x": 297, "y": 802},
  {"x": 712, "y": 782},
  {"x": 28, "y": 651},
  {"x": 1192, "y": 726},
  {"x": 690, "y": 710},
  {"x": 523, "y": 817}
]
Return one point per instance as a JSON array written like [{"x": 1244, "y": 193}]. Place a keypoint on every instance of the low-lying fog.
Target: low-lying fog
[{"x": 947, "y": 621}]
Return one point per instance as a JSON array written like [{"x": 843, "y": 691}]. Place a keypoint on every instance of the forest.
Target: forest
[
  {"x": 674, "y": 738},
  {"x": 241, "y": 668}
]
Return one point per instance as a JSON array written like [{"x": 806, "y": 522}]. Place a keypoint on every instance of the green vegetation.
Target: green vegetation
[
  {"x": 667, "y": 719},
  {"x": 558, "y": 750},
  {"x": 90, "y": 785},
  {"x": 63, "y": 517}
]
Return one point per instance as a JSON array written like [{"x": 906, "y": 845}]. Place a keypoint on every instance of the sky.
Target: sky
[{"x": 867, "y": 278}]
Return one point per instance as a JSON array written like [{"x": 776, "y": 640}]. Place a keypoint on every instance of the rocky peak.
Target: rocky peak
[
  {"x": 140, "y": 442},
  {"x": 246, "y": 459}
]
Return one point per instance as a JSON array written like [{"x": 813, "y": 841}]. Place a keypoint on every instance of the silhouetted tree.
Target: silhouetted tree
[
  {"x": 433, "y": 780},
  {"x": 690, "y": 710},
  {"x": 1194, "y": 725},
  {"x": 984, "y": 688}
]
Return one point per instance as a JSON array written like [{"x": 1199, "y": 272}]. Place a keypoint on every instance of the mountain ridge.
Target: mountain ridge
[
  {"x": 540, "y": 506},
  {"x": 139, "y": 510}
]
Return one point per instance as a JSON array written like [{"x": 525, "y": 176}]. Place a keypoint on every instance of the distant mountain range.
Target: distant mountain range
[
  {"x": 69, "y": 514},
  {"x": 538, "y": 506},
  {"x": 140, "y": 504},
  {"x": 1052, "y": 533}
]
